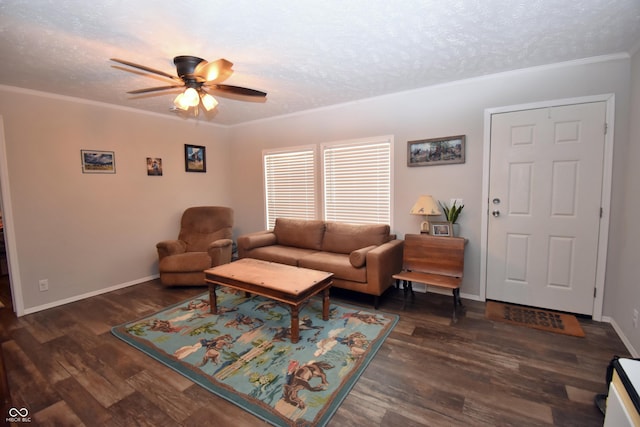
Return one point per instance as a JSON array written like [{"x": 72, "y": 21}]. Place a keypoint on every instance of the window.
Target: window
[
  {"x": 357, "y": 181},
  {"x": 355, "y": 188},
  {"x": 290, "y": 184}
]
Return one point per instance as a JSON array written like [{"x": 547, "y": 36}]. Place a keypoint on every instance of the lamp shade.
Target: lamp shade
[
  {"x": 179, "y": 103},
  {"x": 190, "y": 97},
  {"x": 425, "y": 206},
  {"x": 208, "y": 101}
]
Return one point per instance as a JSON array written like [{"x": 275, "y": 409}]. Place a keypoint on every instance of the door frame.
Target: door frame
[
  {"x": 9, "y": 232},
  {"x": 605, "y": 201}
]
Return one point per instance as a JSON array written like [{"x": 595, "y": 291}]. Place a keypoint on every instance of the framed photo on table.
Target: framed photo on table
[
  {"x": 442, "y": 229},
  {"x": 195, "y": 158}
]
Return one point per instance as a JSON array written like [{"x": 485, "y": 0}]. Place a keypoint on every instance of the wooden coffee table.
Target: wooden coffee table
[{"x": 290, "y": 285}]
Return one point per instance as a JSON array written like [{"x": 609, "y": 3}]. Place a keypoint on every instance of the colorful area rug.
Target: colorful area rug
[
  {"x": 244, "y": 353},
  {"x": 551, "y": 321}
]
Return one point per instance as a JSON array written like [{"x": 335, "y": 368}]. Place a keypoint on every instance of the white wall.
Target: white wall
[
  {"x": 623, "y": 278},
  {"x": 89, "y": 232},
  {"x": 451, "y": 109}
]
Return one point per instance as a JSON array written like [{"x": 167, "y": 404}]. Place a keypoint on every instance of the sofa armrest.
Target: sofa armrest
[
  {"x": 382, "y": 263},
  {"x": 358, "y": 258},
  {"x": 220, "y": 251},
  {"x": 255, "y": 240},
  {"x": 170, "y": 247}
]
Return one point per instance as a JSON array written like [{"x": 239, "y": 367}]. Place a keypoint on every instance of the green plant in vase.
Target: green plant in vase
[{"x": 451, "y": 213}]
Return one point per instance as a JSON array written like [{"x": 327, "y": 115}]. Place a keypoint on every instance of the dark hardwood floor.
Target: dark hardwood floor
[{"x": 66, "y": 368}]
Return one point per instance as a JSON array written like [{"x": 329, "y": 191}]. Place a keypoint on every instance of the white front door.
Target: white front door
[{"x": 545, "y": 191}]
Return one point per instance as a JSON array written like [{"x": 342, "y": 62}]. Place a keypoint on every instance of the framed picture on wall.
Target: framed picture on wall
[
  {"x": 195, "y": 158},
  {"x": 94, "y": 161},
  {"x": 436, "y": 151},
  {"x": 154, "y": 166}
]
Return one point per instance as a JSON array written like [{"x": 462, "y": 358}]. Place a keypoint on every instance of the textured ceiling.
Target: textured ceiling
[{"x": 304, "y": 54}]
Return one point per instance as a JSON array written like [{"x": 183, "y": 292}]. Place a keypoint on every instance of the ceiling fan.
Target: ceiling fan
[{"x": 197, "y": 76}]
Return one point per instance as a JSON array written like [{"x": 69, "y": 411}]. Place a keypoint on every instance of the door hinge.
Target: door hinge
[
  {"x": 606, "y": 128},
  {"x": 601, "y": 211},
  {"x": 595, "y": 291}
]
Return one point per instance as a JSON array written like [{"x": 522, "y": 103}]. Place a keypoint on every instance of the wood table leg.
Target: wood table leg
[
  {"x": 325, "y": 305},
  {"x": 456, "y": 302},
  {"x": 295, "y": 324},
  {"x": 213, "y": 300},
  {"x": 407, "y": 286}
]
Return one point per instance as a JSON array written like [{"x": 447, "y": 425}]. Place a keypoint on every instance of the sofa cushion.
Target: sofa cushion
[
  {"x": 358, "y": 258},
  {"x": 299, "y": 233},
  {"x": 345, "y": 238},
  {"x": 338, "y": 264},
  {"x": 280, "y": 254}
]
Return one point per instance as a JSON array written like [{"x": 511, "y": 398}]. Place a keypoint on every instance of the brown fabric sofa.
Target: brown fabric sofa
[
  {"x": 362, "y": 258},
  {"x": 204, "y": 241}
]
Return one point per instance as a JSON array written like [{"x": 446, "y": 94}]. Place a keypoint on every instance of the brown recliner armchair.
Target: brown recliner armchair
[{"x": 204, "y": 241}]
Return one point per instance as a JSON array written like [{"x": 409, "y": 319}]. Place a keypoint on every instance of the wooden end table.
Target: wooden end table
[{"x": 293, "y": 286}]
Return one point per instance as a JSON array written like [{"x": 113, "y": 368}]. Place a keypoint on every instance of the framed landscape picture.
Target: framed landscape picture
[
  {"x": 195, "y": 158},
  {"x": 436, "y": 151},
  {"x": 94, "y": 161}
]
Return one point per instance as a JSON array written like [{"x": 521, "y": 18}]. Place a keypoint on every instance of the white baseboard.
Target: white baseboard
[{"x": 89, "y": 294}]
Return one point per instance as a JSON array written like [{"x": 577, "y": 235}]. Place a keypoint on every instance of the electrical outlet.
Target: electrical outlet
[
  {"x": 635, "y": 317},
  {"x": 44, "y": 285},
  {"x": 458, "y": 202}
]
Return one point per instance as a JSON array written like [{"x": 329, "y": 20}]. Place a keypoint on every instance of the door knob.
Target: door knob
[{"x": 495, "y": 213}]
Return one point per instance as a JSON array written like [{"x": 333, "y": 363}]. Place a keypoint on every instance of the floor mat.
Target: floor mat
[{"x": 536, "y": 318}]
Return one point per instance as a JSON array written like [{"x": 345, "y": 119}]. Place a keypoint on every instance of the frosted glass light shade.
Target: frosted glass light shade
[
  {"x": 208, "y": 101},
  {"x": 190, "y": 97},
  {"x": 179, "y": 102}
]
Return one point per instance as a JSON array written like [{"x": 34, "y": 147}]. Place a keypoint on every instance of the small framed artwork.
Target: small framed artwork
[
  {"x": 154, "y": 166},
  {"x": 440, "y": 229},
  {"x": 195, "y": 158},
  {"x": 94, "y": 161},
  {"x": 436, "y": 151}
]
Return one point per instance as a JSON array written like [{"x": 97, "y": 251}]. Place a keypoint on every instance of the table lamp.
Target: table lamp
[{"x": 425, "y": 206}]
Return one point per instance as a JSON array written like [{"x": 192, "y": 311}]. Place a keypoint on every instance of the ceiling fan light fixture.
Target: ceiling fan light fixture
[
  {"x": 190, "y": 97},
  {"x": 194, "y": 74},
  {"x": 208, "y": 101},
  {"x": 180, "y": 103}
]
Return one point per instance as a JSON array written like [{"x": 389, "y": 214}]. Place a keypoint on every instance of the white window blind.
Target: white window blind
[
  {"x": 357, "y": 182},
  {"x": 290, "y": 185}
]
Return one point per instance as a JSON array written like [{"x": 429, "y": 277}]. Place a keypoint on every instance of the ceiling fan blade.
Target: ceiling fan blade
[
  {"x": 145, "y": 68},
  {"x": 215, "y": 71},
  {"x": 154, "y": 89},
  {"x": 237, "y": 90}
]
